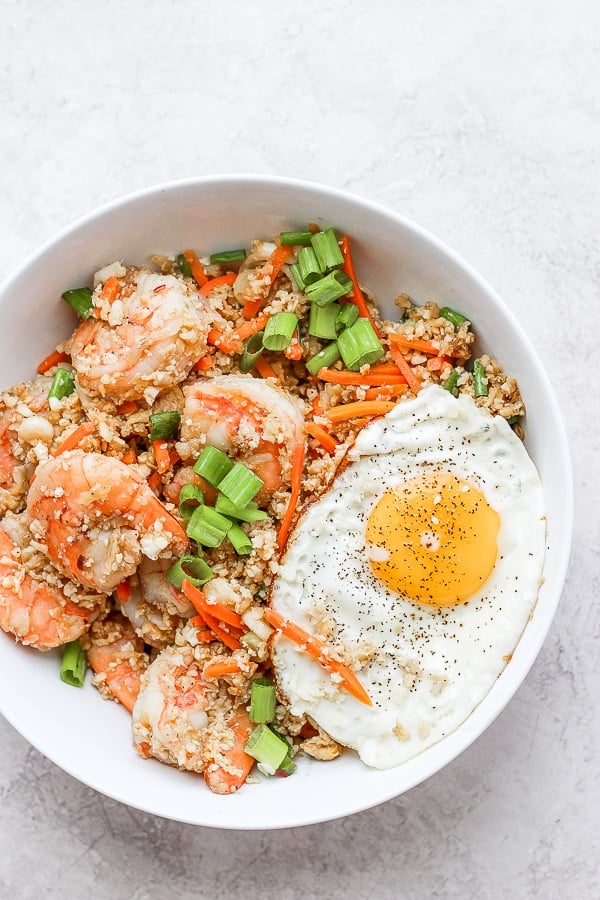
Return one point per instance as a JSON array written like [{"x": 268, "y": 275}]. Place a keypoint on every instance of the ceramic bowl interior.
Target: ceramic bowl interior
[{"x": 90, "y": 738}]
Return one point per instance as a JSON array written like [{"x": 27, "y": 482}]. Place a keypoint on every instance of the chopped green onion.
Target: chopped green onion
[
  {"x": 207, "y": 526},
  {"x": 80, "y": 299},
  {"x": 164, "y": 425},
  {"x": 225, "y": 256},
  {"x": 213, "y": 465},
  {"x": 184, "y": 266},
  {"x": 346, "y": 317},
  {"x": 325, "y": 245},
  {"x": 479, "y": 380},
  {"x": 287, "y": 767},
  {"x": 240, "y": 485},
  {"x": 452, "y": 315},
  {"x": 295, "y": 238},
  {"x": 512, "y": 420},
  {"x": 324, "y": 358},
  {"x": 300, "y": 283},
  {"x": 308, "y": 265},
  {"x": 266, "y": 747},
  {"x": 279, "y": 330},
  {"x": 323, "y": 320},
  {"x": 73, "y": 665},
  {"x": 63, "y": 384},
  {"x": 329, "y": 288},
  {"x": 359, "y": 345},
  {"x": 190, "y": 497},
  {"x": 249, "y": 513},
  {"x": 451, "y": 382},
  {"x": 240, "y": 541},
  {"x": 262, "y": 700},
  {"x": 193, "y": 568},
  {"x": 253, "y": 348}
]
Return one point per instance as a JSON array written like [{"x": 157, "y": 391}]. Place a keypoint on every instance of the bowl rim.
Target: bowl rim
[{"x": 462, "y": 738}]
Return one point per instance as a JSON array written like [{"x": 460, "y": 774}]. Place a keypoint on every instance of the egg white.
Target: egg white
[{"x": 425, "y": 668}]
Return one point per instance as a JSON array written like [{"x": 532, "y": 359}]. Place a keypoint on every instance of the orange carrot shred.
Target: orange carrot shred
[
  {"x": 385, "y": 391},
  {"x": 204, "y": 364},
  {"x": 129, "y": 457},
  {"x": 215, "y": 282},
  {"x": 335, "y": 376},
  {"x": 198, "y": 273},
  {"x": 216, "y": 668},
  {"x": 413, "y": 381},
  {"x": 110, "y": 289},
  {"x": 357, "y": 295},
  {"x": 360, "y": 409},
  {"x": 264, "y": 368},
  {"x": 154, "y": 481},
  {"x": 52, "y": 360},
  {"x": 296, "y": 483},
  {"x": 199, "y": 602},
  {"x": 418, "y": 344},
  {"x": 228, "y": 343},
  {"x": 206, "y": 636},
  {"x": 217, "y": 611},
  {"x": 75, "y": 438},
  {"x": 320, "y": 651},
  {"x": 294, "y": 349},
  {"x": 123, "y": 591},
  {"x": 384, "y": 369},
  {"x": 320, "y": 434},
  {"x": 161, "y": 455},
  {"x": 127, "y": 407}
]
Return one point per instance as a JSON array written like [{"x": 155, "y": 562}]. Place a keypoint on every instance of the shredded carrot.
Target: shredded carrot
[
  {"x": 320, "y": 434},
  {"x": 320, "y": 651},
  {"x": 75, "y": 438},
  {"x": 312, "y": 226},
  {"x": 206, "y": 636},
  {"x": 217, "y": 610},
  {"x": 418, "y": 344},
  {"x": 154, "y": 481},
  {"x": 384, "y": 369},
  {"x": 335, "y": 376},
  {"x": 204, "y": 364},
  {"x": 123, "y": 591},
  {"x": 52, "y": 360},
  {"x": 127, "y": 407},
  {"x": 385, "y": 391},
  {"x": 264, "y": 368},
  {"x": 198, "y": 273},
  {"x": 129, "y": 457},
  {"x": 316, "y": 406},
  {"x": 110, "y": 289},
  {"x": 296, "y": 482},
  {"x": 229, "y": 343},
  {"x": 161, "y": 455},
  {"x": 215, "y": 282},
  {"x": 412, "y": 379},
  {"x": 174, "y": 458},
  {"x": 224, "y": 636},
  {"x": 359, "y": 409},
  {"x": 294, "y": 349},
  {"x": 216, "y": 668},
  {"x": 436, "y": 363},
  {"x": 272, "y": 267},
  {"x": 357, "y": 295}
]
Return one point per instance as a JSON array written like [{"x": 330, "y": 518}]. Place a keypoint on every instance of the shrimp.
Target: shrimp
[
  {"x": 117, "y": 657},
  {"x": 257, "y": 424},
  {"x": 254, "y": 277},
  {"x": 39, "y": 607},
  {"x": 144, "y": 341},
  {"x": 195, "y": 724},
  {"x": 155, "y": 607},
  {"x": 97, "y": 517}
]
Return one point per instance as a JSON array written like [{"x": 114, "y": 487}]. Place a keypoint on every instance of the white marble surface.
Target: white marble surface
[{"x": 481, "y": 122}]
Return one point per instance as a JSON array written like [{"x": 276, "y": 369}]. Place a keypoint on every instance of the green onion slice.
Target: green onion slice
[
  {"x": 451, "y": 382},
  {"x": 323, "y": 319},
  {"x": 359, "y": 345},
  {"x": 512, "y": 420},
  {"x": 309, "y": 266},
  {"x": 479, "y": 379},
  {"x": 80, "y": 299},
  {"x": 452, "y": 315},
  {"x": 324, "y": 358},
  {"x": 329, "y": 288},
  {"x": 213, "y": 465},
  {"x": 262, "y": 700},
  {"x": 73, "y": 665},
  {"x": 249, "y": 513},
  {"x": 63, "y": 384},
  {"x": 300, "y": 283},
  {"x": 266, "y": 747},
  {"x": 253, "y": 348},
  {"x": 207, "y": 526},
  {"x": 164, "y": 425},
  {"x": 193, "y": 568},
  {"x": 287, "y": 767},
  {"x": 328, "y": 251},
  {"x": 240, "y": 541},
  {"x": 295, "y": 238},
  {"x": 240, "y": 485},
  {"x": 224, "y": 256},
  {"x": 184, "y": 266},
  {"x": 279, "y": 330},
  {"x": 190, "y": 497},
  {"x": 346, "y": 317}
]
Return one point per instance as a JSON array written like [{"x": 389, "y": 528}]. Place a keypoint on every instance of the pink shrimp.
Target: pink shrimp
[
  {"x": 154, "y": 606},
  {"x": 117, "y": 657},
  {"x": 97, "y": 517}
]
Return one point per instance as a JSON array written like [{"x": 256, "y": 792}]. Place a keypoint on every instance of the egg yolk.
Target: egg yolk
[{"x": 433, "y": 539}]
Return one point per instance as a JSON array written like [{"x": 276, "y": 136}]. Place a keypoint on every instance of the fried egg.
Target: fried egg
[{"x": 420, "y": 566}]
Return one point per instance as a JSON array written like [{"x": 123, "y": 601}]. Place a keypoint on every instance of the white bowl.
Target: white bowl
[{"x": 90, "y": 738}]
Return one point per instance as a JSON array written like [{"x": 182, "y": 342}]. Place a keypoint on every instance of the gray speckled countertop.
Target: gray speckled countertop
[{"x": 480, "y": 122}]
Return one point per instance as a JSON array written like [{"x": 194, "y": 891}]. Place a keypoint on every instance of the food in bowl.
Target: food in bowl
[{"x": 181, "y": 510}]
